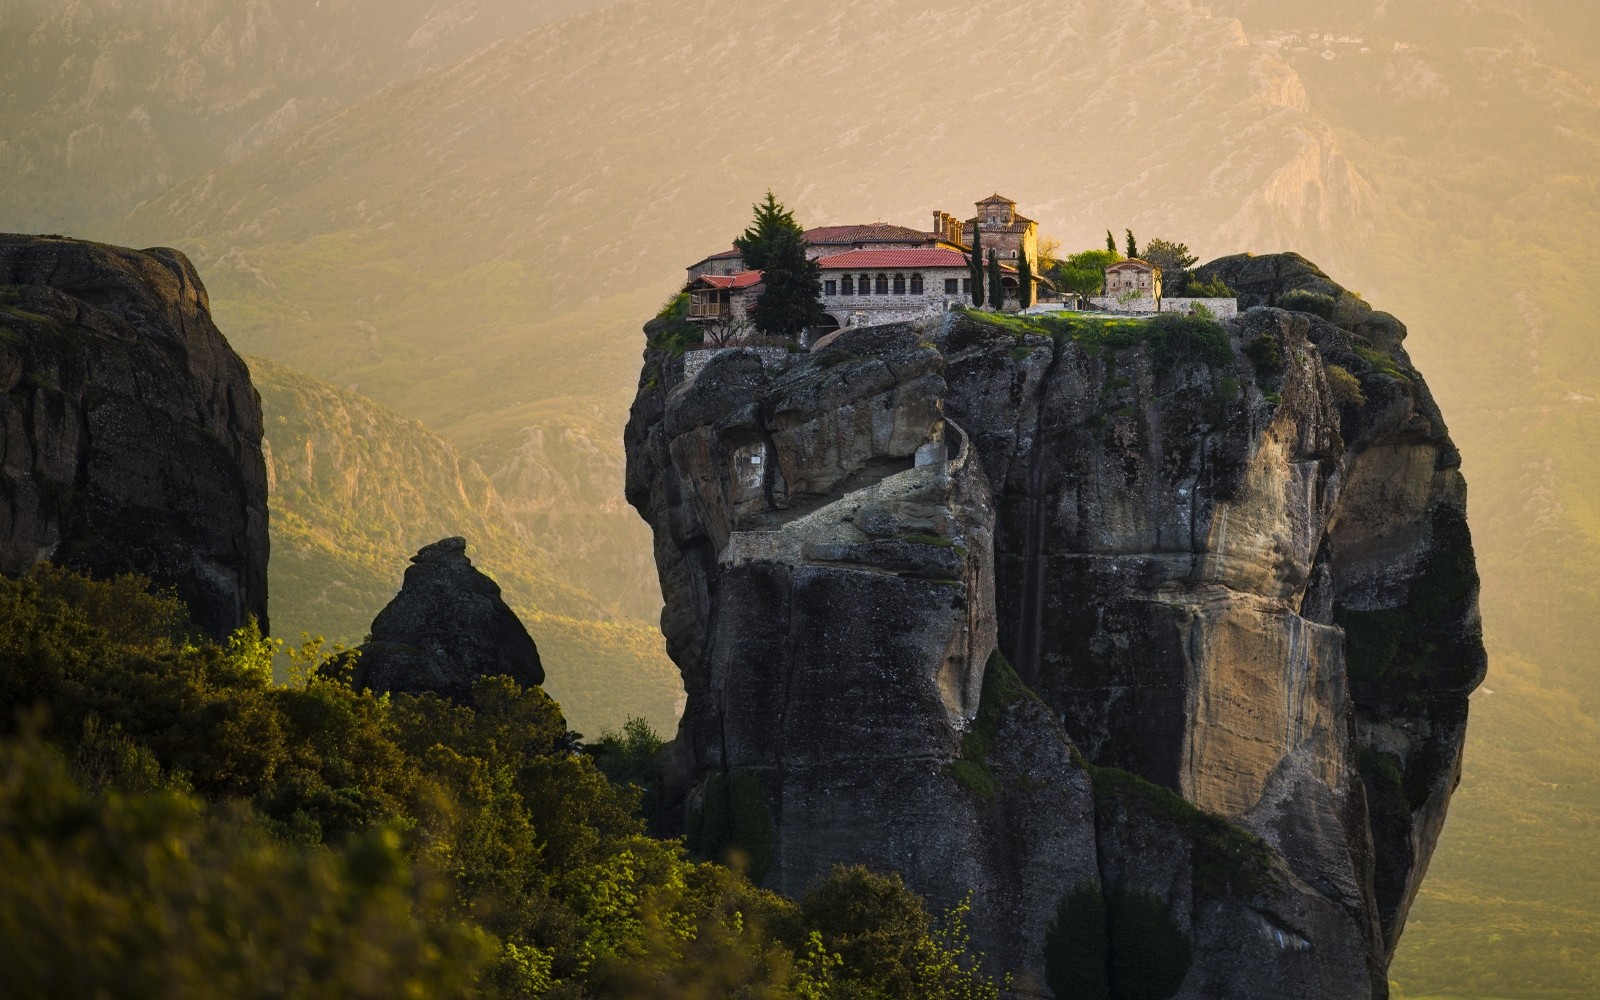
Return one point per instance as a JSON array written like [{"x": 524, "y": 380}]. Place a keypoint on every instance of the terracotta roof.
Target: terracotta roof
[
  {"x": 875, "y": 232},
  {"x": 996, "y": 197},
  {"x": 873, "y": 259},
  {"x": 1135, "y": 261},
  {"x": 744, "y": 279}
]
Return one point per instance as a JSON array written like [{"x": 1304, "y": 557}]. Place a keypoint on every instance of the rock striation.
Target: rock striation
[
  {"x": 130, "y": 435},
  {"x": 1175, "y": 613},
  {"x": 446, "y": 628}
]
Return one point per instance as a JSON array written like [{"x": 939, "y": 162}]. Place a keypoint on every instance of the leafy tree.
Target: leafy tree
[
  {"x": 1133, "y": 245},
  {"x": 1174, "y": 259},
  {"x": 760, "y": 239},
  {"x": 1125, "y": 947},
  {"x": 975, "y": 265},
  {"x": 1024, "y": 281},
  {"x": 1215, "y": 288},
  {"x": 1084, "y": 273},
  {"x": 997, "y": 289}
]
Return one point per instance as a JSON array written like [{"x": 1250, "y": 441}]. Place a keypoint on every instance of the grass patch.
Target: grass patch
[
  {"x": 1002, "y": 688},
  {"x": 1227, "y": 858},
  {"x": 671, "y": 332}
]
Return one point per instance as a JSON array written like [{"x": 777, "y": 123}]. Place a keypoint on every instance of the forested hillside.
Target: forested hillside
[{"x": 357, "y": 488}]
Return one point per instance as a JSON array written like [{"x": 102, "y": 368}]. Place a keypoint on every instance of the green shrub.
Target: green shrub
[
  {"x": 1266, "y": 356},
  {"x": 1345, "y": 387},
  {"x": 1175, "y": 340},
  {"x": 1126, "y": 947},
  {"x": 1001, "y": 689},
  {"x": 1306, "y": 301}
]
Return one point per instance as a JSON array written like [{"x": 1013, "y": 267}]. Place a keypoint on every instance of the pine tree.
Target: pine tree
[
  {"x": 1024, "y": 280},
  {"x": 975, "y": 265},
  {"x": 771, "y": 220},
  {"x": 791, "y": 294},
  {"x": 1111, "y": 242},
  {"x": 997, "y": 290},
  {"x": 1133, "y": 247}
]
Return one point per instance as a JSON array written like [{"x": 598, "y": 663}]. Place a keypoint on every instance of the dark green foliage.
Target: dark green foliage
[
  {"x": 975, "y": 265},
  {"x": 671, "y": 332},
  {"x": 1345, "y": 387},
  {"x": 1226, "y": 857},
  {"x": 887, "y": 946},
  {"x": 791, "y": 295},
  {"x": 1195, "y": 288},
  {"x": 733, "y": 821},
  {"x": 1265, "y": 355},
  {"x": 1126, "y": 947},
  {"x": 1001, "y": 689},
  {"x": 1075, "y": 947},
  {"x": 1133, "y": 245},
  {"x": 1111, "y": 243},
  {"x": 997, "y": 290},
  {"x": 760, "y": 241},
  {"x": 1379, "y": 766},
  {"x": 1024, "y": 282},
  {"x": 221, "y": 835},
  {"x": 1174, "y": 259},
  {"x": 1174, "y": 340},
  {"x": 1315, "y": 303},
  {"x": 1084, "y": 273},
  {"x": 629, "y": 757}
]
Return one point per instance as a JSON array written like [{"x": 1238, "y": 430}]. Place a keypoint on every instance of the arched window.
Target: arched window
[
  {"x": 899, "y": 284},
  {"x": 864, "y": 285},
  {"x": 849, "y": 286},
  {"x": 916, "y": 284},
  {"x": 881, "y": 286}
]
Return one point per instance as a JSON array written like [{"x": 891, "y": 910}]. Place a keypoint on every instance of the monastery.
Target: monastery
[{"x": 881, "y": 273}]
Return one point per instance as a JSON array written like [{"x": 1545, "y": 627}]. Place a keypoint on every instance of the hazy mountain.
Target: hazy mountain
[
  {"x": 357, "y": 488},
  {"x": 103, "y": 103},
  {"x": 475, "y": 246}
]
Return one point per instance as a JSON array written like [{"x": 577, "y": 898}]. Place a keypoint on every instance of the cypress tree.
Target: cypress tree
[
  {"x": 975, "y": 265},
  {"x": 1024, "y": 280},
  {"x": 997, "y": 291},
  {"x": 1133, "y": 247},
  {"x": 1111, "y": 242}
]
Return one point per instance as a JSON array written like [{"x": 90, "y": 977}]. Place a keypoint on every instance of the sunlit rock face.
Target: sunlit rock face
[
  {"x": 1233, "y": 576},
  {"x": 130, "y": 435}
]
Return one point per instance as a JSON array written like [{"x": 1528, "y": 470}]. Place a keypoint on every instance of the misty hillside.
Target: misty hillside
[
  {"x": 476, "y": 245},
  {"x": 105, "y": 103},
  {"x": 357, "y": 489}
]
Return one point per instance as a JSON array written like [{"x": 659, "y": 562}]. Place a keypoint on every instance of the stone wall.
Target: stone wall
[
  {"x": 872, "y": 310},
  {"x": 772, "y": 358},
  {"x": 1220, "y": 308}
]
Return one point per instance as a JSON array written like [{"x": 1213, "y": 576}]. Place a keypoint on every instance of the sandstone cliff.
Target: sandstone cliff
[
  {"x": 1230, "y": 566},
  {"x": 130, "y": 435}
]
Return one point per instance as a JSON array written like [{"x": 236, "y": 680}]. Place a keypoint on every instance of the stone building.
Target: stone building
[
  {"x": 1133, "y": 279},
  {"x": 1001, "y": 229},
  {"x": 863, "y": 287},
  {"x": 715, "y": 298},
  {"x": 825, "y": 241}
]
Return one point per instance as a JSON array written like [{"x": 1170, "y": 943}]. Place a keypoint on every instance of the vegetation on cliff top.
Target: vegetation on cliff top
[{"x": 175, "y": 823}]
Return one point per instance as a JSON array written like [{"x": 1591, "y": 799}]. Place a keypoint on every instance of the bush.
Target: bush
[
  {"x": 1176, "y": 339},
  {"x": 1265, "y": 355},
  {"x": 1303, "y": 300},
  {"x": 1345, "y": 387},
  {"x": 1126, "y": 947}
]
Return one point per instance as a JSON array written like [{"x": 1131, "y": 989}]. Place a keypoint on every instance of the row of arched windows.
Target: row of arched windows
[{"x": 882, "y": 284}]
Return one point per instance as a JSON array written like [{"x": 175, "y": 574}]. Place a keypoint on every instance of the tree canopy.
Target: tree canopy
[
  {"x": 1083, "y": 273},
  {"x": 791, "y": 294}
]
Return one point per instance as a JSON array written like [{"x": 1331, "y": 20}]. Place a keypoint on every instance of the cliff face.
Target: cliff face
[
  {"x": 1232, "y": 573},
  {"x": 130, "y": 435}
]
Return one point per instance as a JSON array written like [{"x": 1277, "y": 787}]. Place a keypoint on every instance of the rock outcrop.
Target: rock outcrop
[
  {"x": 1230, "y": 566},
  {"x": 130, "y": 435},
  {"x": 446, "y": 628}
]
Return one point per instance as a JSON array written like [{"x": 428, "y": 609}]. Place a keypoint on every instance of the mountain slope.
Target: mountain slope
[{"x": 357, "y": 488}]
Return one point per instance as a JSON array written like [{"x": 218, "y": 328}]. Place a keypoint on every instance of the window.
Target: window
[
  {"x": 864, "y": 284},
  {"x": 966, "y": 286},
  {"x": 899, "y": 284},
  {"x": 830, "y": 288},
  {"x": 916, "y": 284},
  {"x": 952, "y": 286},
  {"x": 849, "y": 286},
  {"x": 881, "y": 286}
]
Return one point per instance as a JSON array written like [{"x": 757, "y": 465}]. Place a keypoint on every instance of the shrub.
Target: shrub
[
  {"x": 1075, "y": 946},
  {"x": 1176, "y": 339},
  {"x": 1306, "y": 301},
  {"x": 1126, "y": 947},
  {"x": 1346, "y": 388},
  {"x": 1265, "y": 355}
]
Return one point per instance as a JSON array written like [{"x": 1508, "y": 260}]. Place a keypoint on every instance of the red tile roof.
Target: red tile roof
[
  {"x": 744, "y": 279},
  {"x": 876, "y": 232},
  {"x": 877, "y": 259}
]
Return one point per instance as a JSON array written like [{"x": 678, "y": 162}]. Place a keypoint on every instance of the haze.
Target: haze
[{"x": 464, "y": 210}]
